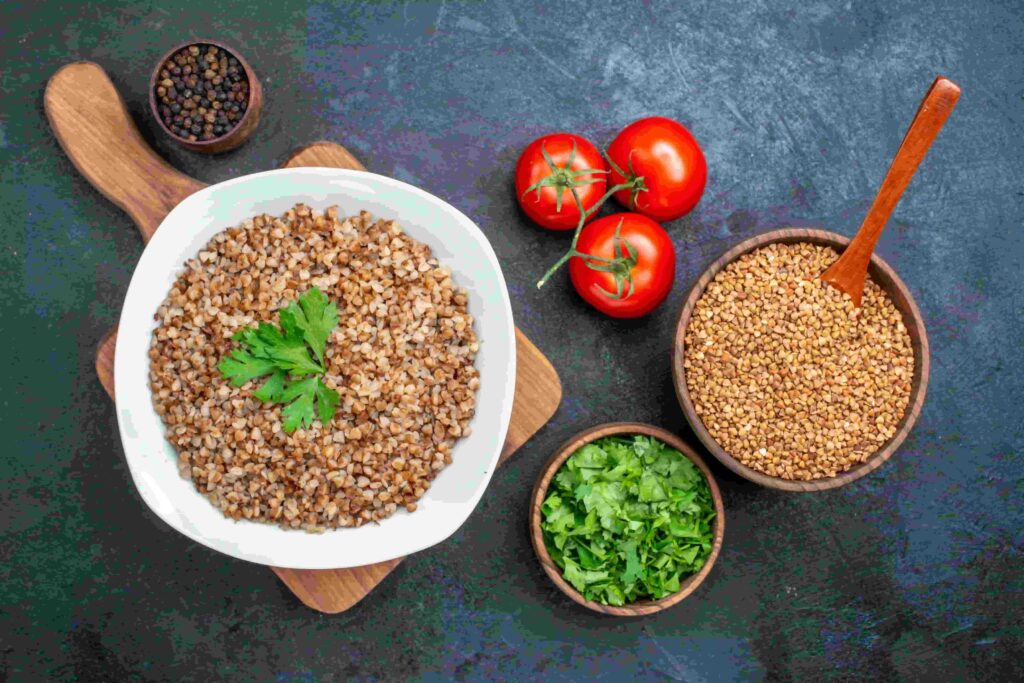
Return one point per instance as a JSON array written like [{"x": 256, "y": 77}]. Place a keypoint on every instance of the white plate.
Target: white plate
[{"x": 455, "y": 240}]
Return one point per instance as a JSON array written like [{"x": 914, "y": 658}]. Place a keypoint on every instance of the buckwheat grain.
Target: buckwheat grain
[
  {"x": 401, "y": 359},
  {"x": 786, "y": 375}
]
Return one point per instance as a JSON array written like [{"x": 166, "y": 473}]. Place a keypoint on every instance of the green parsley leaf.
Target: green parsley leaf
[
  {"x": 627, "y": 519},
  {"x": 590, "y": 456},
  {"x": 298, "y": 413},
  {"x": 293, "y": 356},
  {"x": 300, "y": 387},
  {"x": 271, "y": 390},
  {"x": 288, "y": 348},
  {"x": 650, "y": 488},
  {"x": 299, "y": 395},
  {"x": 251, "y": 338},
  {"x": 327, "y": 401},
  {"x": 317, "y": 317},
  {"x": 241, "y": 366}
]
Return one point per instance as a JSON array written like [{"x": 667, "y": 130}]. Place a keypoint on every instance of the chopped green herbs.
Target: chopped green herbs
[
  {"x": 627, "y": 519},
  {"x": 293, "y": 356}
]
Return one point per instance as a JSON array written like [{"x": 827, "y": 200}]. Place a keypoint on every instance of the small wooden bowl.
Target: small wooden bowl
[
  {"x": 237, "y": 135},
  {"x": 634, "y": 609},
  {"x": 887, "y": 279}
]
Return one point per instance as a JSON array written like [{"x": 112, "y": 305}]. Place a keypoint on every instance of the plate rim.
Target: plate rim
[{"x": 121, "y": 379}]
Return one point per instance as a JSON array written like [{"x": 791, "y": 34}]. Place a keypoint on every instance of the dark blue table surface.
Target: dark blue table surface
[{"x": 913, "y": 573}]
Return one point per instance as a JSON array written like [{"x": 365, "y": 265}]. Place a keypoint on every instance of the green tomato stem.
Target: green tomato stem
[
  {"x": 572, "y": 247},
  {"x": 579, "y": 228},
  {"x": 609, "y": 193}
]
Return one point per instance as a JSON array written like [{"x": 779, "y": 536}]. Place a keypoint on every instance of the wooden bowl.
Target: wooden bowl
[
  {"x": 237, "y": 135},
  {"x": 886, "y": 278},
  {"x": 634, "y": 609}
]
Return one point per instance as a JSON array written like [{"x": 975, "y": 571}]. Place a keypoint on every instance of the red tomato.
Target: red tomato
[
  {"x": 666, "y": 155},
  {"x": 554, "y": 207},
  {"x": 652, "y": 271}
]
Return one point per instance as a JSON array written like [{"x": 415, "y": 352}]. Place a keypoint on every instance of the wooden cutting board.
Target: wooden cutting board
[{"x": 94, "y": 128}]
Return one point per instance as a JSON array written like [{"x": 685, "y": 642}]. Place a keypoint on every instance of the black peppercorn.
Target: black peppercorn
[{"x": 202, "y": 92}]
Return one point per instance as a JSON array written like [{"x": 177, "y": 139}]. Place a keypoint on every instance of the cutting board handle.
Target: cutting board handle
[{"x": 93, "y": 126}]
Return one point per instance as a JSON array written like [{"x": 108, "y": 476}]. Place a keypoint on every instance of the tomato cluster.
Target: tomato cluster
[{"x": 622, "y": 264}]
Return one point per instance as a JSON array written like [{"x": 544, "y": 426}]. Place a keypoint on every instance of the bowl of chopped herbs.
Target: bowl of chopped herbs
[{"x": 626, "y": 519}]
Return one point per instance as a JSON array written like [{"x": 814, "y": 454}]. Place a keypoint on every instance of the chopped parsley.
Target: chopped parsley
[{"x": 627, "y": 519}]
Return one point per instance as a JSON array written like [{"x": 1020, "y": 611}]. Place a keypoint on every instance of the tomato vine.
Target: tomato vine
[{"x": 621, "y": 266}]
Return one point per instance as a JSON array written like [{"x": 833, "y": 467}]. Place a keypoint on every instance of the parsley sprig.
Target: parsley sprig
[
  {"x": 628, "y": 518},
  {"x": 293, "y": 357}
]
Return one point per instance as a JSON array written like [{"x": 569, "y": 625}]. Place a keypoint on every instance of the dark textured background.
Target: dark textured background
[{"x": 914, "y": 572}]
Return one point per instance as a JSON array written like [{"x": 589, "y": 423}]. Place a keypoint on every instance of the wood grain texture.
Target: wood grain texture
[
  {"x": 538, "y": 393},
  {"x": 848, "y": 273},
  {"x": 237, "y": 135},
  {"x": 322, "y": 154},
  {"x": 888, "y": 280},
  {"x": 92, "y": 125},
  {"x": 642, "y": 607}
]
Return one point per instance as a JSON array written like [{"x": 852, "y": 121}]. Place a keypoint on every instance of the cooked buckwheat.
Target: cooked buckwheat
[
  {"x": 786, "y": 375},
  {"x": 401, "y": 359}
]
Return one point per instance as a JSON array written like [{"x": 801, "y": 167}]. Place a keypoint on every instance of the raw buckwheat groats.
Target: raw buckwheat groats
[
  {"x": 401, "y": 359},
  {"x": 787, "y": 376}
]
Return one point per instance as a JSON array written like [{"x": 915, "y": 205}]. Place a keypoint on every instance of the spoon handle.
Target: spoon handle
[{"x": 848, "y": 272}]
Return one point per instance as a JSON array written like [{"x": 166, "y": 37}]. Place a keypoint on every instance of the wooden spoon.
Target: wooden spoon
[{"x": 848, "y": 272}]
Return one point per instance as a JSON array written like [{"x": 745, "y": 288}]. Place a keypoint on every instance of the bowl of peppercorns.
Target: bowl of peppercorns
[{"x": 205, "y": 96}]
